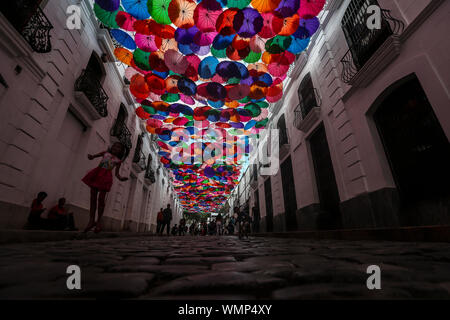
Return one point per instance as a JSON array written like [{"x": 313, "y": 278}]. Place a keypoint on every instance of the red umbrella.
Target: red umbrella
[
  {"x": 156, "y": 61},
  {"x": 175, "y": 61},
  {"x": 206, "y": 15},
  {"x": 139, "y": 87},
  {"x": 224, "y": 24},
  {"x": 237, "y": 91},
  {"x": 269, "y": 20},
  {"x": 310, "y": 8},
  {"x": 125, "y": 20},
  {"x": 279, "y": 63},
  {"x": 156, "y": 84}
]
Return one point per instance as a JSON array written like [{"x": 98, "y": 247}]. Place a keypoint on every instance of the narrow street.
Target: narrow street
[{"x": 224, "y": 268}]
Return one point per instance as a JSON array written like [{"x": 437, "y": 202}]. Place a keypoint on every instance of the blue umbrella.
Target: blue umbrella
[
  {"x": 298, "y": 45},
  {"x": 123, "y": 38},
  {"x": 137, "y": 8},
  {"x": 187, "y": 86},
  {"x": 185, "y": 49},
  {"x": 222, "y": 42},
  {"x": 216, "y": 104},
  {"x": 207, "y": 67},
  {"x": 108, "y": 5}
]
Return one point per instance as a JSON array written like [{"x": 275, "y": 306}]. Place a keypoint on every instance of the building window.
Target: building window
[
  {"x": 120, "y": 130},
  {"x": 307, "y": 97},
  {"x": 89, "y": 83},
  {"x": 27, "y": 17},
  {"x": 139, "y": 156},
  {"x": 282, "y": 131},
  {"x": 362, "y": 41}
]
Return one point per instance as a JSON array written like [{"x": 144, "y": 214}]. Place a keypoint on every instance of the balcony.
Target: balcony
[
  {"x": 150, "y": 175},
  {"x": 371, "y": 50},
  {"x": 139, "y": 161},
  {"x": 91, "y": 94},
  {"x": 121, "y": 132},
  {"x": 307, "y": 111},
  {"x": 254, "y": 177},
  {"x": 30, "y": 21}
]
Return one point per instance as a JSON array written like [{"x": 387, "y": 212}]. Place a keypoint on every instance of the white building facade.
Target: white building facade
[
  {"x": 62, "y": 96},
  {"x": 364, "y": 123}
]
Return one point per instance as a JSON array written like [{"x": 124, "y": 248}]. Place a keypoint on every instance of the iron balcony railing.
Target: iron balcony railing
[
  {"x": 30, "y": 21},
  {"x": 91, "y": 87},
  {"x": 307, "y": 102},
  {"x": 140, "y": 159},
  {"x": 121, "y": 132},
  {"x": 150, "y": 174},
  {"x": 365, "y": 42}
]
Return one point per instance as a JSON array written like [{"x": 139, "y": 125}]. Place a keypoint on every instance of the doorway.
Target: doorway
[
  {"x": 330, "y": 215},
  {"x": 130, "y": 204},
  {"x": 269, "y": 205},
  {"x": 417, "y": 150},
  {"x": 289, "y": 195}
]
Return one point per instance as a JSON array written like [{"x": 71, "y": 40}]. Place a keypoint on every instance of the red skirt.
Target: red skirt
[{"x": 99, "y": 178}]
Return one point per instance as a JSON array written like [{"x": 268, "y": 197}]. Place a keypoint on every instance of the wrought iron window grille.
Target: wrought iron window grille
[{"x": 91, "y": 87}]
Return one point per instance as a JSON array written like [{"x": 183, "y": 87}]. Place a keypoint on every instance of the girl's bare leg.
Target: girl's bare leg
[
  {"x": 101, "y": 209},
  {"x": 93, "y": 209}
]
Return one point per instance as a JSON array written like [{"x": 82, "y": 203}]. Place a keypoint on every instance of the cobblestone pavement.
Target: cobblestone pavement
[{"x": 224, "y": 268}]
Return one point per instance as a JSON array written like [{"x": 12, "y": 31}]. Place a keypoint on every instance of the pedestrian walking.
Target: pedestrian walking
[
  {"x": 159, "y": 220},
  {"x": 167, "y": 214}
]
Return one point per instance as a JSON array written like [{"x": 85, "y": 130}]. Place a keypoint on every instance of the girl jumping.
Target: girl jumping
[{"x": 100, "y": 181}]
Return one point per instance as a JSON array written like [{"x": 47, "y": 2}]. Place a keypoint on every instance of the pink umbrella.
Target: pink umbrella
[
  {"x": 263, "y": 115},
  {"x": 217, "y": 78},
  {"x": 154, "y": 123},
  {"x": 310, "y": 8},
  {"x": 204, "y": 38},
  {"x": 257, "y": 44},
  {"x": 130, "y": 72},
  {"x": 175, "y": 61},
  {"x": 186, "y": 99},
  {"x": 206, "y": 15},
  {"x": 125, "y": 20},
  {"x": 146, "y": 43},
  {"x": 239, "y": 91}
]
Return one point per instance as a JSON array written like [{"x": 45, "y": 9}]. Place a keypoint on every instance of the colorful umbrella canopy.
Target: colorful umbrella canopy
[{"x": 202, "y": 66}]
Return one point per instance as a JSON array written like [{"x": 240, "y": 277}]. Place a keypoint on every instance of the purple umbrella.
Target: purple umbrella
[
  {"x": 307, "y": 28},
  {"x": 228, "y": 69},
  {"x": 185, "y": 36},
  {"x": 247, "y": 22},
  {"x": 287, "y": 8},
  {"x": 108, "y": 5}
]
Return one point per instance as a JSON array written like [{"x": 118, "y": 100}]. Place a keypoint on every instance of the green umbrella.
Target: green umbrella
[
  {"x": 244, "y": 100},
  {"x": 149, "y": 109},
  {"x": 219, "y": 53},
  {"x": 159, "y": 10},
  {"x": 253, "y": 57},
  {"x": 170, "y": 97},
  {"x": 233, "y": 80},
  {"x": 254, "y": 109},
  {"x": 240, "y": 4},
  {"x": 278, "y": 44},
  {"x": 263, "y": 104},
  {"x": 106, "y": 17},
  {"x": 262, "y": 123},
  {"x": 141, "y": 58}
]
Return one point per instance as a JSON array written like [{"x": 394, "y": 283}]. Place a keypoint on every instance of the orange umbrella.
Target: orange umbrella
[
  {"x": 288, "y": 27},
  {"x": 172, "y": 84},
  {"x": 181, "y": 13},
  {"x": 167, "y": 44},
  {"x": 265, "y": 5},
  {"x": 124, "y": 55}
]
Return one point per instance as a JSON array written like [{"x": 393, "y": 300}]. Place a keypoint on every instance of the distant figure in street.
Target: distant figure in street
[
  {"x": 59, "y": 218},
  {"x": 167, "y": 214},
  {"x": 37, "y": 208},
  {"x": 256, "y": 218},
  {"x": 100, "y": 181},
  {"x": 182, "y": 228},
  {"x": 192, "y": 229},
  {"x": 204, "y": 228},
  {"x": 159, "y": 221},
  {"x": 212, "y": 228},
  {"x": 219, "y": 224},
  {"x": 174, "y": 230}
]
